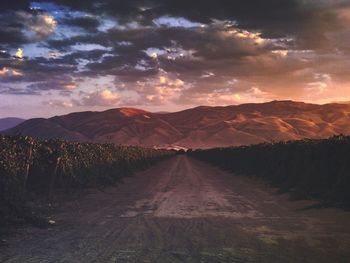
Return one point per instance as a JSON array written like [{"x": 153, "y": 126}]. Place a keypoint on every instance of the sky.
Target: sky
[{"x": 160, "y": 55}]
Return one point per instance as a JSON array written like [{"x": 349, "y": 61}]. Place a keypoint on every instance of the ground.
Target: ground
[{"x": 183, "y": 210}]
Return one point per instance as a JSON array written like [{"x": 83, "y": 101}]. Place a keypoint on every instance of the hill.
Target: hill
[
  {"x": 8, "y": 123},
  {"x": 200, "y": 127}
]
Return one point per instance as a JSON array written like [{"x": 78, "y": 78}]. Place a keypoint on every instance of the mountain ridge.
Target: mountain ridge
[
  {"x": 10, "y": 122},
  {"x": 199, "y": 127}
]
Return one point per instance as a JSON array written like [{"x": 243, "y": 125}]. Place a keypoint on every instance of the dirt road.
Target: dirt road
[{"x": 183, "y": 210}]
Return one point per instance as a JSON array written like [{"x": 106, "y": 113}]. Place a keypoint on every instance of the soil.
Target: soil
[{"x": 183, "y": 210}]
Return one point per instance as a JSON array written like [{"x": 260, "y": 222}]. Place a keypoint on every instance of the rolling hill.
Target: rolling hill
[
  {"x": 8, "y": 123},
  {"x": 200, "y": 127}
]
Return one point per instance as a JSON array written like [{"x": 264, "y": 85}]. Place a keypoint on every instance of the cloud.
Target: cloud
[
  {"x": 87, "y": 23},
  {"x": 40, "y": 25},
  {"x": 59, "y": 104},
  {"x": 105, "y": 97},
  {"x": 279, "y": 52},
  {"x": 8, "y": 72},
  {"x": 19, "y": 53},
  {"x": 182, "y": 52},
  {"x": 25, "y": 26},
  {"x": 160, "y": 90},
  {"x": 15, "y": 5},
  {"x": 11, "y": 33},
  {"x": 227, "y": 97}
]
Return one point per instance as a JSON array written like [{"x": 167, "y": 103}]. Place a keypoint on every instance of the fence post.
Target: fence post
[
  {"x": 27, "y": 167},
  {"x": 53, "y": 178}
]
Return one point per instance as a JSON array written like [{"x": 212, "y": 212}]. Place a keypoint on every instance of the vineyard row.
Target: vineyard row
[
  {"x": 307, "y": 168},
  {"x": 40, "y": 166}
]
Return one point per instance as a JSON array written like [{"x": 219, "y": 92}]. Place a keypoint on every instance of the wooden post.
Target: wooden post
[
  {"x": 27, "y": 168},
  {"x": 53, "y": 178}
]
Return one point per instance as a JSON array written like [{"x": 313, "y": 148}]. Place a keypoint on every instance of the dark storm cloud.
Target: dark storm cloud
[
  {"x": 40, "y": 74},
  {"x": 60, "y": 83},
  {"x": 88, "y": 23},
  {"x": 11, "y": 30},
  {"x": 18, "y": 27},
  {"x": 91, "y": 55},
  {"x": 15, "y": 5},
  {"x": 64, "y": 44},
  {"x": 274, "y": 17},
  {"x": 221, "y": 46},
  {"x": 203, "y": 11},
  {"x": 210, "y": 50},
  {"x": 10, "y": 36},
  {"x": 39, "y": 68}
]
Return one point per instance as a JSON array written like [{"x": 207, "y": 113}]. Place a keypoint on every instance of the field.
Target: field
[
  {"x": 305, "y": 168},
  {"x": 29, "y": 166},
  {"x": 182, "y": 209}
]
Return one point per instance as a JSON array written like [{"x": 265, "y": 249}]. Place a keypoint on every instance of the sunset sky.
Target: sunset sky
[{"x": 63, "y": 56}]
